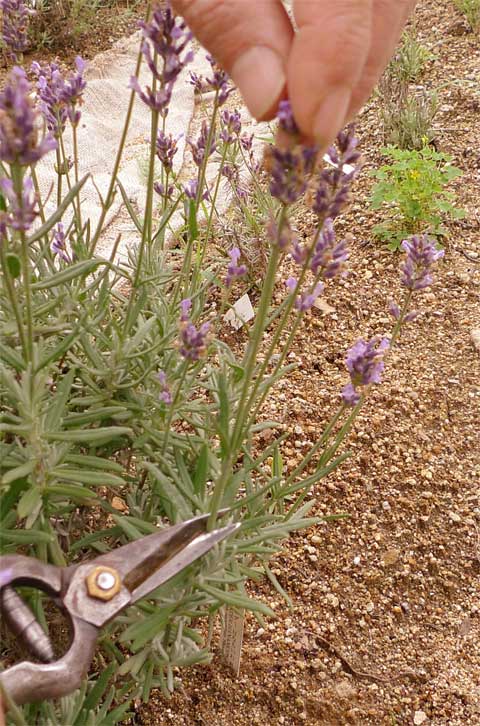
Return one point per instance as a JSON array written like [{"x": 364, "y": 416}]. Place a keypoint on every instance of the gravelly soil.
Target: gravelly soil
[{"x": 385, "y": 627}]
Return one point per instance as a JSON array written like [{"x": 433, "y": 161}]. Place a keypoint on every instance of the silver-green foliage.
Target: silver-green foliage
[
  {"x": 411, "y": 58},
  {"x": 407, "y": 113},
  {"x": 82, "y": 343}
]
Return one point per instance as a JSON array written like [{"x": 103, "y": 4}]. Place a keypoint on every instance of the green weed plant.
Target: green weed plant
[{"x": 412, "y": 190}]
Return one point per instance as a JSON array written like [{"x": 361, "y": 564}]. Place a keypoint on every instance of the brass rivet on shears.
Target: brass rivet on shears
[{"x": 103, "y": 582}]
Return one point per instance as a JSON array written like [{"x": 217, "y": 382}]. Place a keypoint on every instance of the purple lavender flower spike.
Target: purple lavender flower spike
[
  {"x": 199, "y": 84},
  {"x": 193, "y": 341},
  {"x": 291, "y": 284},
  {"x": 288, "y": 178},
  {"x": 73, "y": 89},
  {"x": 166, "y": 149},
  {"x": 20, "y": 142},
  {"x": 285, "y": 118},
  {"x": 231, "y": 172},
  {"x": 165, "y": 394},
  {"x": 231, "y": 126},
  {"x": 21, "y": 213},
  {"x": 185, "y": 308},
  {"x": 59, "y": 244},
  {"x": 199, "y": 147},
  {"x": 191, "y": 190},
  {"x": 218, "y": 81},
  {"x": 329, "y": 257},
  {"x": 50, "y": 85},
  {"x": 166, "y": 38},
  {"x": 350, "y": 395},
  {"x": 290, "y": 168},
  {"x": 333, "y": 190},
  {"x": 162, "y": 191},
  {"x": 15, "y": 26},
  {"x": 365, "y": 365},
  {"x": 299, "y": 252},
  {"x": 234, "y": 270},
  {"x": 60, "y": 97},
  {"x": 246, "y": 140},
  {"x": 422, "y": 253},
  {"x": 394, "y": 310},
  {"x": 305, "y": 300}
]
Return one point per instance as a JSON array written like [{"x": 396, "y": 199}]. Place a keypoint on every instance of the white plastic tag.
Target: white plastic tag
[{"x": 240, "y": 313}]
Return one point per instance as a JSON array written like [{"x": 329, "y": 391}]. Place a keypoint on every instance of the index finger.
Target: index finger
[{"x": 326, "y": 62}]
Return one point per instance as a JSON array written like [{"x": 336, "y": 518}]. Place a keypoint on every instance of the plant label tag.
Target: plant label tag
[
  {"x": 346, "y": 168},
  {"x": 240, "y": 313},
  {"x": 231, "y": 639}
]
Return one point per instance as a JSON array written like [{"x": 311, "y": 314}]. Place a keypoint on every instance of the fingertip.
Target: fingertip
[
  {"x": 259, "y": 74},
  {"x": 331, "y": 116}
]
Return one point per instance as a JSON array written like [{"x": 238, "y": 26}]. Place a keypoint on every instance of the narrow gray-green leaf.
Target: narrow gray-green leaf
[
  {"x": 24, "y": 537},
  {"x": 96, "y": 436},
  {"x": 59, "y": 401},
  {"x": 28, "y": 502},
  {"x": 83, "y": 476},
  {"x": 58, "y": 213},
  {"x": 237, "y": 600},
  {"x": 10, "y": 356},
  {"x": 79, "y": 269},
  {"x": 19, "y": 472}
]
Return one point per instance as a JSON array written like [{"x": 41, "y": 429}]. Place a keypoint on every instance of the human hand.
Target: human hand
[{"x": 330, "y": 66}]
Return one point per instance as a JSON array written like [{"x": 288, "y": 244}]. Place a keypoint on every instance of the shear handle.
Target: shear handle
[
  {"x": 23, "y": 570},
  {"x": 29, "y": 682}
]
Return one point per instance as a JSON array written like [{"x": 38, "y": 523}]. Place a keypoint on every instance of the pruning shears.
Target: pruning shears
[{"x": 91, "y": 594}]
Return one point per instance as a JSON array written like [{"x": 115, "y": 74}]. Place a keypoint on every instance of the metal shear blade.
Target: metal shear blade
[{"x": 95, "y": 592}]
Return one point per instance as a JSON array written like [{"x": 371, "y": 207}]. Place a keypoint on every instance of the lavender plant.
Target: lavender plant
[
  {"x": 15, "y": 23},
  {"x": 124, "y": 407}
]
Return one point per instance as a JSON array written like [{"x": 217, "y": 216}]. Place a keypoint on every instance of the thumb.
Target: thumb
[{"x": 251, "y": 40}]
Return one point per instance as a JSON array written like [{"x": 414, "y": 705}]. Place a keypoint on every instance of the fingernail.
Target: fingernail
[
  {"x": 260, "y": 77},
  {"x": 330, "y": 117}
]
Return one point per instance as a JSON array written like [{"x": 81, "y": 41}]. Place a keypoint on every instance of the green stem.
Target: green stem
[
  {"x": 201, "y": 181},
  {"x": 322, "y": 440},
  {"x": 280, "y": 328},
  {"x": 10, "y": 286},
  {"x": 202, "y": 249},
  {"x": 203, "y": 168},
  {"x": 249, "y": 362},
  {"x": 28, "y": 295},
  {"x": 147, "y": 221},
  {"x": 75, "y": 169},
  {"x": 123, "y": 140},
  {"x": 17, "y": 179},
  {"x": 59, "y": 176},
  {"x": 398, "y": 326},
  {"x": 171, "y": 410},
  {"x": 328, "y": 453}
]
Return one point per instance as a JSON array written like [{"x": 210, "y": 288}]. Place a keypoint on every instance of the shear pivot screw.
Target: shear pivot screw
[{"x": 103, "y": 583}]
